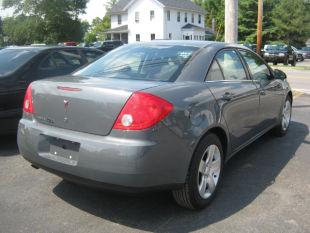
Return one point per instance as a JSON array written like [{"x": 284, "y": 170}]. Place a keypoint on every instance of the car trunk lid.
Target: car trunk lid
[{"x": 89, "y": 105}]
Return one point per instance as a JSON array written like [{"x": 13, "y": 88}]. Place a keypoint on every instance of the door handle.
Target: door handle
[{"x": 227, "y": 96}]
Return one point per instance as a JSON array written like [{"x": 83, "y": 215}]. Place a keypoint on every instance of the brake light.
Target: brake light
[
  {"x": 142, "y": 111},
  {"x": 28, "y": 101}
]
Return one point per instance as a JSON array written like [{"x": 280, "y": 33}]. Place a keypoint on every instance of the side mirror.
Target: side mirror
[{"x": 279, "y": 74}]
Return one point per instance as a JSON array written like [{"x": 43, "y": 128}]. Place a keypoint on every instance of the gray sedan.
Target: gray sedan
[{"x": 158, "y": 115}]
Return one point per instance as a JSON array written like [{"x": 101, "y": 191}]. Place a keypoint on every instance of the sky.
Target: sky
[{"x": 95, "y": 8}]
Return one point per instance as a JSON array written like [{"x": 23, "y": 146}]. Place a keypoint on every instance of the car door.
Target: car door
[
  {"x": 270, "y": 90},
  {"x": 236, "y": 95}
]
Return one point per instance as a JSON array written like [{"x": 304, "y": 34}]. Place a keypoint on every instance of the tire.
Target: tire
[
  {"x": 281, "y": 129},
  {"x": 285, "y": 62},
  {"x": 293, "y": 63},
  {"x": 189, "y": 195}
]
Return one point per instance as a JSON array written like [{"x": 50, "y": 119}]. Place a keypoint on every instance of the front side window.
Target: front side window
[
  {"x": 231, "y": 65},
  {"x": 12, "y": 59},
  {"x": 257, "y": 67},
  {"x": 92, "y": 55},
  {"x": 141, "y": 62},
  {"x": 119, "y": 19},
  {"x": 152, "y": 15},
  {"x": 137, "y": 18}
]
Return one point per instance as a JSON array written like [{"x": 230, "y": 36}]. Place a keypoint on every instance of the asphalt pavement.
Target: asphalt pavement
[{"x": 266, "y": 188}]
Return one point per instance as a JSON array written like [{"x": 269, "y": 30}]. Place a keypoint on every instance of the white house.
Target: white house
[{"x": 146, "y": 20}]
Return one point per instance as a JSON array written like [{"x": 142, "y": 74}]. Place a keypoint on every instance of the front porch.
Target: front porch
[
  {"x": 193, "y": 32},
  {"x": 119, "y": 33}
]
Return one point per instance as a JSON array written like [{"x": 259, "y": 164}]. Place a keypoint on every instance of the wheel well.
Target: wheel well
[
  {"x": 290, "y": 94},
  {"x": 220, "y": 133}
]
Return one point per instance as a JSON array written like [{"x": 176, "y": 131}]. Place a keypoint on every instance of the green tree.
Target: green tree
[
  {"x": 58, "y": 19},
  {"x": 1, "y": 33},
  {"x": 292, "y": 21}
]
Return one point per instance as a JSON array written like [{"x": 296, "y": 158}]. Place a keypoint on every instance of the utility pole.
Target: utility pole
[
  {"x": 231, "y": 21},
  {"x": 259, "y": 26}
]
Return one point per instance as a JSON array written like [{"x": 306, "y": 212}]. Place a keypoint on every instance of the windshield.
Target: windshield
[
  {"x": 12, "y": 59},
  {"x": 141, "y": 62}
]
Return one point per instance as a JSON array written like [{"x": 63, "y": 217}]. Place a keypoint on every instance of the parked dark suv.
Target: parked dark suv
[
  {"x": 19, "y": 66},
  {"x": 279, "y": 54},
  {"x": 108, "y": 45}
]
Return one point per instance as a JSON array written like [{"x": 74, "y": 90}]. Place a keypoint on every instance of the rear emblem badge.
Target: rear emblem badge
[{"x": 66, "y": 103}]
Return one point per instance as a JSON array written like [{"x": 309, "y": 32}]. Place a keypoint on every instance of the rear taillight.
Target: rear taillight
[
  {"x": 142, "y": 111},
  {"x": 28, "y": 101}
]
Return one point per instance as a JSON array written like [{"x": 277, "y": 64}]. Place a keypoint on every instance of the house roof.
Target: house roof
[
  {"x": 179, "y": 4},
  {"x": 120, "y": 29},
  {"x": 191, "y": 26}
]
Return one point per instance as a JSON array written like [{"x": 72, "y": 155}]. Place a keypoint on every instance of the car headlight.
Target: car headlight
[
  {"x": 266, "y": 54},
  {"x": 281, "y": 54}
]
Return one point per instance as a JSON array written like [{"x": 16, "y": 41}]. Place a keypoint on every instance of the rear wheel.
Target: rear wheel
[
  {"x": 285, "y": 120},
  {"x": 204, "y": 175}
]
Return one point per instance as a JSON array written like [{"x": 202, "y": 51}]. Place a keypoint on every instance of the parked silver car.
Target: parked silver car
[{"x": 157, "y": 115}]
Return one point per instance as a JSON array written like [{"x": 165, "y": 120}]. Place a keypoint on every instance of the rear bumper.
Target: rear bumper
[{"x": 108, "y": 162}]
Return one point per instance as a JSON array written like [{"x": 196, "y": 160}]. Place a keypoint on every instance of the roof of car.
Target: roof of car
[
  {"x": 42, "y": 48},
  {"x": 197, "y": 43}
]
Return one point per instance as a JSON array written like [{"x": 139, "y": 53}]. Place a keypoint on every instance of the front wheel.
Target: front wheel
[
  {"x": 204, "y": 175},
  {"x": 285, "y": 120}
]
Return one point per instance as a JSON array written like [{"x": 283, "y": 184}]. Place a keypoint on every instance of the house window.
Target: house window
[
  {"x": 119, "y": 19},
  {"x": 152, "y": 15},
  {"x": 137, "y": 19},
  {"x": 199, "y": 19},
  {"x": 179, "y": 17},
  {"x": 168, "y": 15},
  {"x": 137, "y": 37},
  {"x": 185, "y": 18},
  {"x": 152, "y": 36},
  {"x": 193, "y": 18},
  {"x": 170, "y": 36}
]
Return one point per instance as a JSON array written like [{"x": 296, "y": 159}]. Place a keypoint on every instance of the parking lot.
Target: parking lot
[{"x": 266, "y": 188}]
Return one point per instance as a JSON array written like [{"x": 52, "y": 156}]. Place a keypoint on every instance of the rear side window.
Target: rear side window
[
  {"x": 256, "y": 66},
  {"x": 231, "y": 65},
  {"x": 215, "y": 73}
]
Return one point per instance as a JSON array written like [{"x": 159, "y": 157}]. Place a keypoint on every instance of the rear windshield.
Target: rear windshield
[
  {"x": 141, "y": 62},
  {"x": 12, "y": 59}
]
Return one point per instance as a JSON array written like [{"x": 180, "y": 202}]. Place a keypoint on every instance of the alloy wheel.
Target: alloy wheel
[{"x": 209, "y": 171}]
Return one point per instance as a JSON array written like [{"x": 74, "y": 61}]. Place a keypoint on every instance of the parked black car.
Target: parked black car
[
  {"x": 19, "y": 66},
  {"x": 306, "y": 52},
  {"x": 107, "y": 45},
  {"x": 298, "y": 53},
  {"x": 279, "y": 54}
]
